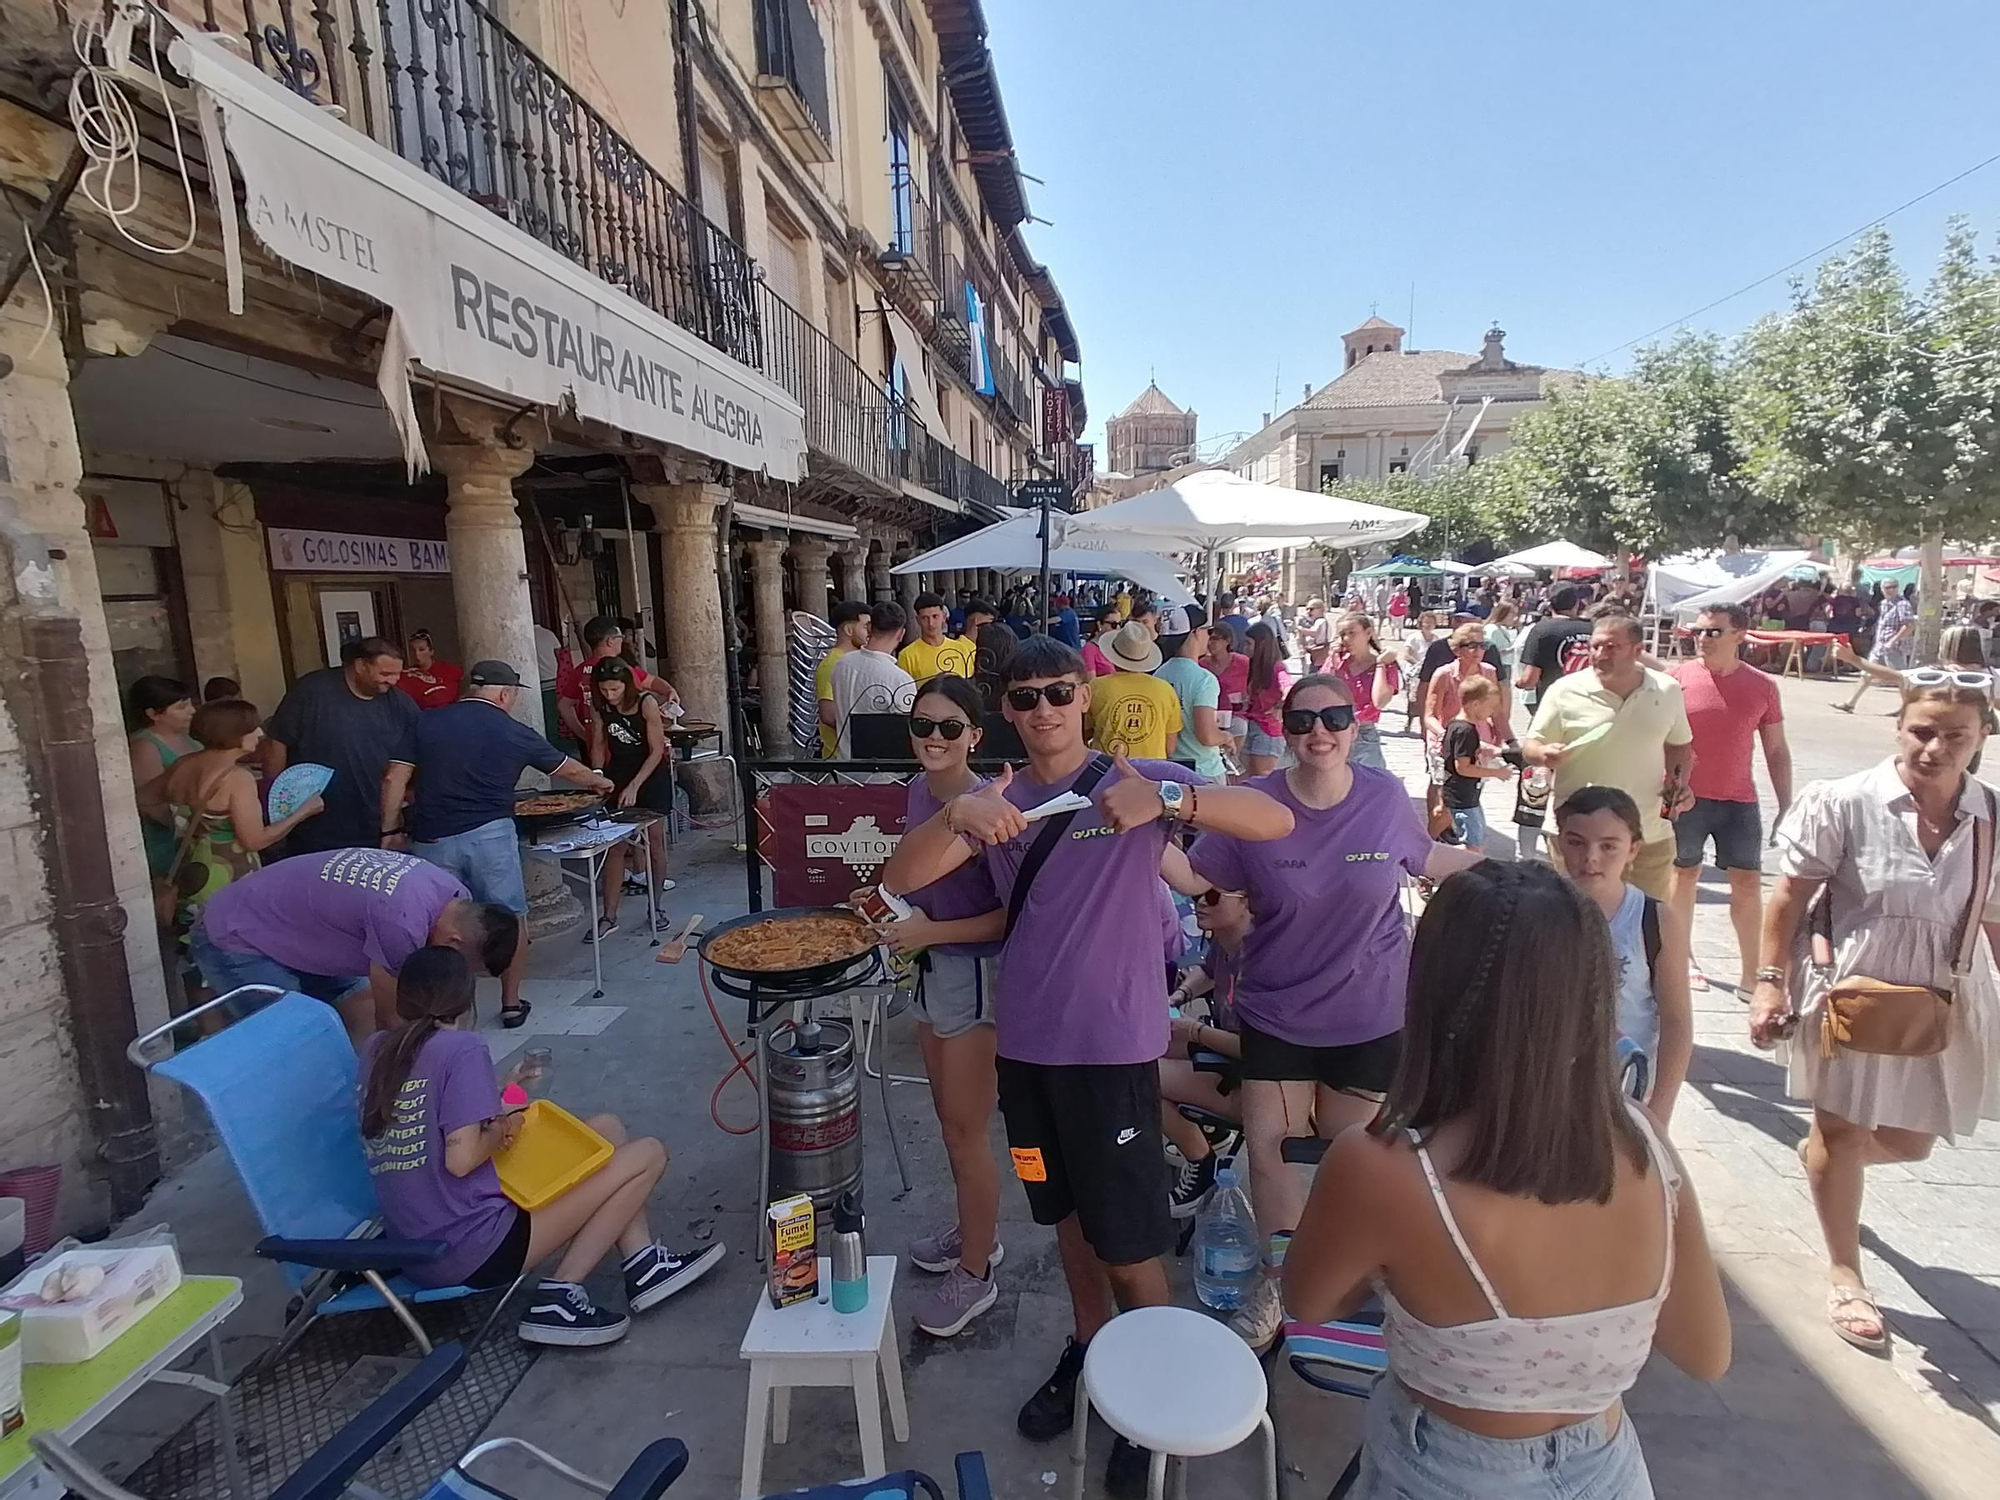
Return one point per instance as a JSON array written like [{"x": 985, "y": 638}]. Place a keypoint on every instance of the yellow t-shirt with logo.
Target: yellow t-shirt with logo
[
  {"x": 829, "y": 737},
  {"x": 1136, "y": 713},
  {"x": 924, "y": 661}
]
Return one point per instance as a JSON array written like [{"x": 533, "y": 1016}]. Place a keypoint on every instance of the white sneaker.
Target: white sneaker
[{"x": 1258, "y": 1319}]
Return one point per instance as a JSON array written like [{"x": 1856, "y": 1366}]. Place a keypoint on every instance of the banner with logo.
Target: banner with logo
[{"x": 822, "y": 842}]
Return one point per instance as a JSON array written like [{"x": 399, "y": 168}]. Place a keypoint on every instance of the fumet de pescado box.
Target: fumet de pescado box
[{"x": 794, "y": 1251}]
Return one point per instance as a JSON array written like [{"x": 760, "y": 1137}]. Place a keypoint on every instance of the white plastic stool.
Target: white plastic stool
[
  {"x": 809, "y": 1343},
  {"x": 1176, "y": 1382}
]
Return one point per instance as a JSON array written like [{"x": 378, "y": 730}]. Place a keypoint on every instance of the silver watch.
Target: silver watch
[{"x": 1173, "y": 799}]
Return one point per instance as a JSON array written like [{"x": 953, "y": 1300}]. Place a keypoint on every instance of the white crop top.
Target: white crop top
[{"x": 1572, "y": 1364}]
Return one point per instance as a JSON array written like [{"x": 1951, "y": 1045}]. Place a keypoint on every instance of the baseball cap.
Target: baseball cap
[
  {"x": 1182, "y": 618},
  {"x": 492, "y": 674}
]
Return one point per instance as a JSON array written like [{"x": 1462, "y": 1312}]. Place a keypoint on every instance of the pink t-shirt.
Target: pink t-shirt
[
  {"x": 1234, "y": 682},
  {"x": 1446, "y": 685},
  {"x": 1725, "y": 714},
  {"x": 1096, "y": 660},
  {"x": 1265, "y": 702},
  {"x": 1361, "y": 683}
]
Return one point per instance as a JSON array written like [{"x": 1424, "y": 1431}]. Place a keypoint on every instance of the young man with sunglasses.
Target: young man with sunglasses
[
  {"x": 1729, "y": 703},
  {"x": 1081, "y": 994}
]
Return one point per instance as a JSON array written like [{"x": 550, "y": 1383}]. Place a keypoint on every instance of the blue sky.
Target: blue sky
[{"x": 1233, "y": 184}]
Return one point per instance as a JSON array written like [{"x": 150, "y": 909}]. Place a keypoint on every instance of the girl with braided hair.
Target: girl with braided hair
[
  {"x": 1530, "y": 1234},
  {"x": 433, "y": 1119}
]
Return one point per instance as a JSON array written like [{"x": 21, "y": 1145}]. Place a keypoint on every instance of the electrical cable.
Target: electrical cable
[
  {"x": 1794, "y": 265},
  {"x": 107, "y": 128},
  {"x": 48, "y": 298}
]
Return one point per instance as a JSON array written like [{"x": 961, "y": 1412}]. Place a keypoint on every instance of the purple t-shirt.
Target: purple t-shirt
[
  {"x": 1327, "y": 962},
  {"x": 451, "y": 1085},
  {"x": 1081, "y": 979},
  {"x": 965, "y": 892},
  {"x": 333, "y": 913}
]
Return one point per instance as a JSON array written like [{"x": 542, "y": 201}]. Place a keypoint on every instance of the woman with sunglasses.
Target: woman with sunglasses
[
  {"x": 1877, "y": 874},
  {"x": 1264, "y": 744},
  {"x": 1105, "y": 622},
  {"x": 1320, "y": 998},
  {"x": 956, "y": 930},
  {"x": 1373, "y": 680}
]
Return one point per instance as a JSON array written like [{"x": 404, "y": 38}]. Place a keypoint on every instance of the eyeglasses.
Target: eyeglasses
[
  {"x": 1469, "y": 646},
  {"x": 922, "y": 728},
  {"x": 1335, "y": 716},
  {"x": 1711, "y": 632},
  {"x": 1215, "y": 896},
  {"x": 1059, "y": 694},
  {"x": 1978, "y": 682}
]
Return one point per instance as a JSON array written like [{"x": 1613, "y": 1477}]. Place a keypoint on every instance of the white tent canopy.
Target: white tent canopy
[
  {"x": 1015, "y": 546},
  {"x": 1673, "y": 579},
  {"x": 1557, "y": 555},
  {"x": 1775, "y": 566}
]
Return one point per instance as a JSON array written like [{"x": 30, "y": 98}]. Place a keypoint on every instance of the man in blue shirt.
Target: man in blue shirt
[{"x": 467, "y": 761}]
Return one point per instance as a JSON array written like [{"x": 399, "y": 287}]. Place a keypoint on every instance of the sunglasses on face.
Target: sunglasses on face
[
  {"x": 1023, "y": 699},
  {"x": 1335, "y": 716},
  {"x": 922, "y": 728},
  {"x": 1711, "y": 632},
  {"x": 1215, "y": 897}
]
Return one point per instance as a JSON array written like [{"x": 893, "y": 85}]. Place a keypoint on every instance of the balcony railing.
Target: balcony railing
[
  {"x": 791, "y": 51},
  {"x": 915, "y": 252},
  {"x": 848, "y": 416},
  {"x": 446, "y": 86}
]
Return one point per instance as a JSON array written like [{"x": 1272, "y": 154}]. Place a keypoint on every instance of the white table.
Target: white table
[
  {"x": 810, "y": 1344},
  {"x": 592, "y": 843}
]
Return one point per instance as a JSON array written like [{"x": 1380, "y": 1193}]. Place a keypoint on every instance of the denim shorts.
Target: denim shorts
[
  {"x": 1411, "y": 1451},
  {"x": 223, "y": 970},
  {"x": 1470, "y": 824},
  {"x": 1259, "y": 743},
  {"x": 1367, "y": 747},
  {"x": 1736, "y": 827},
  {"x": 954, "y": 993},
  {"x": 487, "y": 862}
]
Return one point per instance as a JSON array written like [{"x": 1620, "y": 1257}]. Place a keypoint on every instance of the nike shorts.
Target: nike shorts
[{"x": 1085, "y": 1140}]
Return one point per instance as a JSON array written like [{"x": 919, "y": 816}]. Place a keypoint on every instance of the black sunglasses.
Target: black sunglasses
[
  {"x": 1213, "y": 896},
  {"x": 1711, "y": 632},
  {"x": 1335, "y": 716},
  {"x": 1023, "y": 699},
  {"x": 922, "y": 728}
]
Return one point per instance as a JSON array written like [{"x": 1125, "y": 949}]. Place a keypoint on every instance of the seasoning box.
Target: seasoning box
[
  {"x": 794, "y": 1251},
  {"x": 11, "y": 1414}
]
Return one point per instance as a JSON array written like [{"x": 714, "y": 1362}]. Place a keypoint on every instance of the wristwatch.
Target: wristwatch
[{"x": 1173, "y": 797}]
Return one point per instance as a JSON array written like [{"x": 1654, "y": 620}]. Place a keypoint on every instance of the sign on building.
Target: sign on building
[
  {"x": 296, "y": 551},
  {"x": 1055, "y": 417}
]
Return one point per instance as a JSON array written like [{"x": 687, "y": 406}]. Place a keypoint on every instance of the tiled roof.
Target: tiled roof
[
  {"x": 1386, "y": 379},
  {"x": 1152, "y": 402},
  {"x": 1376, "y": 323}
]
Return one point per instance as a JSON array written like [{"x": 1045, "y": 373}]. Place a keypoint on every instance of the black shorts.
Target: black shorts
[
  {"x": 1085, "y": 1139},
  {"x": 1362, "y": 1067},
  {"x": 1736, "y": 827},
  {"x": 509, "y": 1260}
]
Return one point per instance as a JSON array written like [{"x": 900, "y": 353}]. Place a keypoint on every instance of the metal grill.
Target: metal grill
[{"x": 289, "y": 1409}]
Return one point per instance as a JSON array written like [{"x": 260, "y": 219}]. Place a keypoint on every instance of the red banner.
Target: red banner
[{"x": 822, "y": 842}]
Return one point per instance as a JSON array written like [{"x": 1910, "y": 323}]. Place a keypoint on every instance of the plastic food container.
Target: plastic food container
[
  {"x": 137, "y": 1279},
  {"x": 554, "y": 1153}
]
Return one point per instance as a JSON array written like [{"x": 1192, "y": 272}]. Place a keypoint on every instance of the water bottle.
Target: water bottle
[
  {"x": 1225, "y": 1244},
  {"x": 850, "y": 1256}
]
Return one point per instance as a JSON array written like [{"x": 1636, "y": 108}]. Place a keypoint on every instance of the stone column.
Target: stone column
[
  {"x": 906, "y": 585},
  {"x": 489, "y": 555},
  {"x": 854, "y": 572},
  {"x": 809, "y": 558},
  {"x": 881, "y": 583},
  {"x": 1288, "y": 576},
  {"x": 767, "y": 587},
  {"x": 692, "y": 644}
]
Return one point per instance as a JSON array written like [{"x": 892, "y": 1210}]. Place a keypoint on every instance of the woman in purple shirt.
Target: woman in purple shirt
[
  {"x": 957, "y": 928},
  {"x": 1320, "y": 998},
  {"x": 432, "y": 1120}
]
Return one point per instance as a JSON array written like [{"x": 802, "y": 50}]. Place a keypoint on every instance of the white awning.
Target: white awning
[
  {"x": 757, "y": 515},
  {"x": 923, "y": 400},
  {"x": 473, "y": 298}
]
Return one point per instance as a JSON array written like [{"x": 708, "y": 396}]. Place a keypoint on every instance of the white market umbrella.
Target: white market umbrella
[
  {"x": 1216, "y": 511},
  {"x": 1557, "y": 555},
  {"x": 1015, "y": 546}
]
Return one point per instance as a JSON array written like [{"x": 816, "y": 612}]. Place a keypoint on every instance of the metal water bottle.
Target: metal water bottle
[{"x": 850, "y": 1256}]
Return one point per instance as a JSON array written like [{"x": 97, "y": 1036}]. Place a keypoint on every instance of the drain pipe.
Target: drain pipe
[{"x": 46, "y": 687}]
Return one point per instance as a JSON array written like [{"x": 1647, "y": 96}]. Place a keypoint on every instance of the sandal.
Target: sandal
[
  {"x": 1840, "y": 1302},
  {"x": 516, "y": 1017},
  {"x": 1843, "y": 708}
]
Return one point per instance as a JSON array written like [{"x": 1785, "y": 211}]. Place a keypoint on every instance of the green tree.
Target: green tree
[
  {"x": 1876, "y": 410},
  {"x": 1454, "y": 499}
]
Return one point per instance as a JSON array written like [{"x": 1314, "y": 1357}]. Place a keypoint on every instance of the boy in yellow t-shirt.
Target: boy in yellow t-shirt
[
  {"x": 934, "y": 652},
  {"x": 1132, "y": 710}
]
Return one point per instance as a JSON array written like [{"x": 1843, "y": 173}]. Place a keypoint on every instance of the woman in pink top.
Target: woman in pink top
[
  {"x": 1232, "y": 674},
  {"x": 1106, "y": 620},
  {"x": 1372, "y": 678},
  {"x": 1264, "y": 745}
]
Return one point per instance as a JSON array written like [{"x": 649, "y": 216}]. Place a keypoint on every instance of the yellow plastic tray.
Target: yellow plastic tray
[{"x": 554, "y": 1153}]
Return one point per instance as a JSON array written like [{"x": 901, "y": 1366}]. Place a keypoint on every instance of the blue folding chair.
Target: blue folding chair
[
  {"x": 661, "y": 1463},
  {"x": 280, "y": 1087}
]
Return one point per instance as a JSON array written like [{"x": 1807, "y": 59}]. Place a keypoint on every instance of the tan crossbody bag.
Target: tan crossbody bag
[{"x": 1910, "y": 1020}]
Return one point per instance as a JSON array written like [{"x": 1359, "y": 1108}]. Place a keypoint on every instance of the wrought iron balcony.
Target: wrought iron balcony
[
  {"x": 446, "y": 86},
  {"x": 913, "y": 260},
  {"x": 791, "y": 75}
]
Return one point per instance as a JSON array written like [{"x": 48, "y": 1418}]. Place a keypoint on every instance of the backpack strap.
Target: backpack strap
[
  {"x": 1047, "y": 837},
  {"x": 1649, "y": 928}
]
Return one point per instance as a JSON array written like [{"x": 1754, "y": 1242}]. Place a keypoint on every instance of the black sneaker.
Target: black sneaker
[
  {"x": 561, "y": 1313},
  {"x": 1129, "y": 1472},
  {"x": 1051, "y": 1411},
  {"x": 1191, "y": 1186},
  {"x": 656, "y": 1273}
]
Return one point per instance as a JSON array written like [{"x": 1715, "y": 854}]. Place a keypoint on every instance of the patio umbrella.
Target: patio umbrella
[
  {"x": 1557, "y": 555},
  {"x": 1015, "y": 546},
  {"x": 1400, "y": 566},
  {"x": 1216, "y": 511}
]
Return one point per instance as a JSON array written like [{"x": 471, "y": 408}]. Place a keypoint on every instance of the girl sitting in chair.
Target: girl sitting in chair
[{"x": 432, "y": 1121}]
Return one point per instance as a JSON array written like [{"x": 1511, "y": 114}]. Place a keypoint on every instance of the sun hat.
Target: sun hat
[{"x": 1131, "y": 648}]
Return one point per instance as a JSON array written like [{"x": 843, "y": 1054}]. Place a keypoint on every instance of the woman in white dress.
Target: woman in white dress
[{"x": 1893, "y": 847}]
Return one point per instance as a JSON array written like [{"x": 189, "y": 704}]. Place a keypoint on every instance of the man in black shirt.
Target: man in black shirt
[
  {"x": 1555, "y": 645},
  {"x": 352, "y": 719}
]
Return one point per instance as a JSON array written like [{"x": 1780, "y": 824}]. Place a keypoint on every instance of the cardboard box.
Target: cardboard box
[
  {"x": 794, "y": 1251},
  {"x": 137, "y": 1279}
]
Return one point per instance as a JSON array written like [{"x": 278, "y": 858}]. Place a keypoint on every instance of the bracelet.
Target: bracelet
[{"x": 1769, "y": 975}]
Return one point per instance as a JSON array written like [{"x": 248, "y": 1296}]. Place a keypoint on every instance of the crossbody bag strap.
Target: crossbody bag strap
[
  {"x": 198, "y": 820},
  {"x": 1982, "y": 882},
  {"x": 1046, "y": 839}
]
